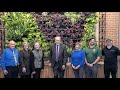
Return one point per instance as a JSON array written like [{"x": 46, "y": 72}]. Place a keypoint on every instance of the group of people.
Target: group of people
[
  {"x": 24, "y": 63},
  {"x": 28, "y": 62},
  {"x": 85, "y": 62}
]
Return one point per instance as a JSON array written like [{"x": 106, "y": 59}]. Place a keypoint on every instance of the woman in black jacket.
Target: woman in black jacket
[{"x": 26, "y": 57}]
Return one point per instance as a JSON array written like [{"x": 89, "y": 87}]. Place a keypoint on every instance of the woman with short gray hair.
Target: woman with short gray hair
[{"x": 38, "y": 60}]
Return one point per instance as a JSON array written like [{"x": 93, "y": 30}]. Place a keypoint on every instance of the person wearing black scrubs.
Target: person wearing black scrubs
[{"x": 110, "y": 54}]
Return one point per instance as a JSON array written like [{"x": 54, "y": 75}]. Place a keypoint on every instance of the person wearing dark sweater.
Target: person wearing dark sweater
[
  {"x": 26, "y": 67},
  {"x": 78, "y": 61},
  {"x": 111, "y": 55}
]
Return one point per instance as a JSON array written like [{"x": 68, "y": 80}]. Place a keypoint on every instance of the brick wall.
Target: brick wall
[
  {"x": 113, "y": 32},
  {"x": 112, "y": 26}
]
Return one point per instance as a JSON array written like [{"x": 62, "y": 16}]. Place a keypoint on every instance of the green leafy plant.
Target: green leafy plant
[
  {"x": 74, "y": 16},
  {"x": 22, "y": 26},
  {"x": 91, "y": 21},
  {"x": 69, "y": 51}
]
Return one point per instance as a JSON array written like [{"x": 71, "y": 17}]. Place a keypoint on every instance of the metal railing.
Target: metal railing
[{"x": 102, "y": 29}]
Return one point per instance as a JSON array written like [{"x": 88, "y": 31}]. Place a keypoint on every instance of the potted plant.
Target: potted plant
[
  {"x": 46, "y": 51},
  {"x": 69, "y": 51}
]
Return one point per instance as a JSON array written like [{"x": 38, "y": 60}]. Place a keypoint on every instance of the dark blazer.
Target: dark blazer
[
  {"x": 62, "y": 55},
  {"x": 26, "y": 60}
]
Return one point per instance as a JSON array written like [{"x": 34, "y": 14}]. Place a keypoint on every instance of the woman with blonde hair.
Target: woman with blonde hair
[{"x": 26, "y": 67}]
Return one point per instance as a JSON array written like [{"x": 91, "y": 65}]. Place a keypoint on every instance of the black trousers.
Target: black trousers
[
  {"x": 112, "y": 70},
  {"x": 58, "y": 73},
  {"x": 25, "y": 76},
  {"x": 37, "y": 74},
  {"x": 12, "y": 72}
]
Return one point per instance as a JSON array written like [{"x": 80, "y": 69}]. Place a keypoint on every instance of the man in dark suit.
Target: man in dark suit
[{"x": 58, "y": 58}]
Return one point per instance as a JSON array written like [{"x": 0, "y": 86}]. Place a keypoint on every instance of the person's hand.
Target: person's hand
[
  {"x": 77, "y": 66},
  {"x": 50, "y": 64},
  {"x": 63, "y": 67},
  {"x": 73, "y": 67},
  {"x": 68, "y": 64},
  {"x": 5, "y": 72},
  {"x": 33, "y": 72},
  {"x": 23, "y": 69},
  {"x": 90, "y": 65}
]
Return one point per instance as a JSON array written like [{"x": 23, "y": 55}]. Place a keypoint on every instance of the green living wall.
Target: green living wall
[{"x": 23, "y": 26}]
